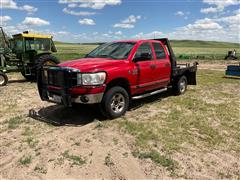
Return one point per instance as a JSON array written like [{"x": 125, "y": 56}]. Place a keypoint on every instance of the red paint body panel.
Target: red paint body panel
[{"x": 140, "y": 75}]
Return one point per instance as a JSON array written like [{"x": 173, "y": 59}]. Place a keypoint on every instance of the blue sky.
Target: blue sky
[{"x": 106, "y": 20}]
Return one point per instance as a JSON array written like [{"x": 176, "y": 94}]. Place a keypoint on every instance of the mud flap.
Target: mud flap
[{"x": 191, "y": 78}]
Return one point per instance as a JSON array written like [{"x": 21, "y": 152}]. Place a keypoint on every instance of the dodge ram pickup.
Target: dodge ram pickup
[{"x": 115, "y": 73}]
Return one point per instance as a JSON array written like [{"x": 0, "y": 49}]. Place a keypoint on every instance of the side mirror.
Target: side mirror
[{"x": 143, "y": 57}]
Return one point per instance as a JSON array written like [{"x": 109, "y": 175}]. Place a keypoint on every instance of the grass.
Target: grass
[
  {"x": 108, "y": 160},
  {"x": 26, "y": 160},
  {"x": 73, "y": 51},
  {"x": 207, "y": 116},
  {"x": 32, "y": 143},
  {"x": 14, "y": 122},
  {"x": 27, "y": 132},
  {"x": 156, "y": 157},
  {"x": 40, "y": 169},
  {"x": 76, "y": 160}
]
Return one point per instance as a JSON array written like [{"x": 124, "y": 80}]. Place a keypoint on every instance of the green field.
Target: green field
[{"x": 201, "y": 50}]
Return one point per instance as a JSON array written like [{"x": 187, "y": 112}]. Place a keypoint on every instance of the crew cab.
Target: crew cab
[{"x": 115, "y": 73}]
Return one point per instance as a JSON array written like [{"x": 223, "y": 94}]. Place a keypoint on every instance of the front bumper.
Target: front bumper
[
  {"x": 61, "y": 88},
  {"x": 81, "y": 99}
]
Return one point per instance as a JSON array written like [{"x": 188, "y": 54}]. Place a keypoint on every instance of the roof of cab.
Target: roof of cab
[
  {"x": 140, "y": 40},
  {"x": 33, "y": 35}
]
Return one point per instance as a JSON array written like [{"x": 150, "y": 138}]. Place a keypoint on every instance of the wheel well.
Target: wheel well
[{"x": 122, "y": 82}]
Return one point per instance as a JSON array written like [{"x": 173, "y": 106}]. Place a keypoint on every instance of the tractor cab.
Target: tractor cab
[{"x": 27, "y": 46}]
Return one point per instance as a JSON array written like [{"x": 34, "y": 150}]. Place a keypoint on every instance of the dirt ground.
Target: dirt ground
[{"x": 47, "y": 141}]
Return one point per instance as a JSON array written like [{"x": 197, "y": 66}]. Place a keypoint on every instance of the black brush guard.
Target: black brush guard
[{"x": 61, "y": 78}]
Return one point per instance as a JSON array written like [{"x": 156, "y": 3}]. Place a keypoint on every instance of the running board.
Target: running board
[{"x": 149, "y": 94}]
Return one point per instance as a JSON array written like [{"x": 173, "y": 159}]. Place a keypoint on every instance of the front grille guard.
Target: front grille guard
[{"x": 66, "y": 78}]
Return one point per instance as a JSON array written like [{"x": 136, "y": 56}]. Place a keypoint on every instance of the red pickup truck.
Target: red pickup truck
[{"x": 115, "y": 73}]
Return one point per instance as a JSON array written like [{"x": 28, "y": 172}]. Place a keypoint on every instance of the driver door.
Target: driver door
[{"x": 144, "y": 67}]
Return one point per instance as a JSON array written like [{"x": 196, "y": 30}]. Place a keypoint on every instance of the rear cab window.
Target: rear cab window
[{"x": 159, "y": 51}]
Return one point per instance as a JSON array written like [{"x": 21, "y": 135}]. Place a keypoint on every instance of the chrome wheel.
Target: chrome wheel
[
  {"x": 183, "y": 85},
  {"x": 118, "y": 103},
  {"x": 2, "y": 80}
]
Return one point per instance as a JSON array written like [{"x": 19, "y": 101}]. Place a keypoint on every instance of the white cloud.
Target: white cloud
[
  {"x": 124, "y": 26},
  {"x": 220, "y": 5},
  {"x": 94, "y": 4},
  {"x": 4, "y": 19},
  {"x": 128, "y": 23},
  {"x": 34, "y": 21},
  {"x": 10, "y": 4},
  {"x": 203, "y": 24},
  {"x": 73, "y": 5},
  {"x": 182, "y": 14},
  {"x": 131, "y": 19},
  {"x": 119, "y": 33},
  {"x": 28, "y": 8},
  {"x": 154, "y": 34},
  {"x": 179, "y": 13},
  {"x": 81, "y": 13},
  {"x": 225, "y": 28},
  {"x": 211, "y": 10},
  {"x": 230, "y": 19},
  {"x": 87, "y": 21},
  {"x": 63, "y": 33}
]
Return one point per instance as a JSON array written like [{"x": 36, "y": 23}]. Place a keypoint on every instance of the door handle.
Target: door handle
[
  {"x": 153, "y": 66},
  {"x": 167, "y": 65}
]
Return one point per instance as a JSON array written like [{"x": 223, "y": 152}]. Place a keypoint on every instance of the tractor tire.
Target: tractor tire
[
  {"x": 3, "y": 79},
  {"x": 115, "y": 102},
  {"x": 46, "y": 59},
  {"x": 180, "y": 86}
]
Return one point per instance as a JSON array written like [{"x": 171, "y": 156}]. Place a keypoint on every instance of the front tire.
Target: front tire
[
  {"x": 3, "y": 79},
  {"x": 115, "y": 102},
  {"x": 180, "y": 86}
]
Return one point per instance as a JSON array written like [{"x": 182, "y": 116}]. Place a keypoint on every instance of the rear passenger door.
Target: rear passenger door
[
  {"x": 144, "y": 64},
  {"x": 163, "y": 65}
]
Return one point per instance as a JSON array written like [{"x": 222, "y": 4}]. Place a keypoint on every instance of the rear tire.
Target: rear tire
[
  {"x": 180, "y": 86},
  {"x": 3, "y": 79},
  {"x": 46, "y": 59},
  {"x": 115, "y": 102}
]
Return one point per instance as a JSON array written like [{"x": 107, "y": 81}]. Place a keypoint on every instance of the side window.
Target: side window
[
  {"x": 144, "y": 53},
  {"x": 160, "y": 53}
]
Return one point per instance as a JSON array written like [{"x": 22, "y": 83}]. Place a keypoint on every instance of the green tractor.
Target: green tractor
[{"x": 25, "y": 53}]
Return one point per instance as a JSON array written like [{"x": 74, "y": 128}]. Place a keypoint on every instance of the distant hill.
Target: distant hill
[
  {"x": 180, "y": 43},
  {"x": 215, "y": 44}
]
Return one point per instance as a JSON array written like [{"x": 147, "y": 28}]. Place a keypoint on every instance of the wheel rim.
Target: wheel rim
[
  {"x": 2, "y": 80},
  {"x": 118, "y": 103},
  {"x": 49, "y": 63},
  {"x": 182, "y": 86}
]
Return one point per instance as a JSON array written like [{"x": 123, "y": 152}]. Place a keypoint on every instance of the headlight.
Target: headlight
[{"x": 91, "y": 78}]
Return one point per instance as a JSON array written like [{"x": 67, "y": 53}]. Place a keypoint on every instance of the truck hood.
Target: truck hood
[{"x": 92, "y": 64}]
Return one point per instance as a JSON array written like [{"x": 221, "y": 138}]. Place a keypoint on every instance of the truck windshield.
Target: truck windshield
[{"x": 116, "y": 50}]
